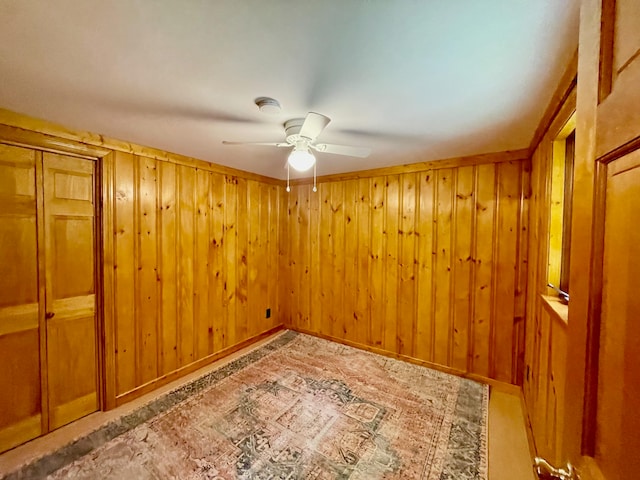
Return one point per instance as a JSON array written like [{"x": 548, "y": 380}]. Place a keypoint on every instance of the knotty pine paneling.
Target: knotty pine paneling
[
  {"x": 425, "y": 264},
  {"x": 545, "y": 336},
  {"x": 197, "y": 257}
]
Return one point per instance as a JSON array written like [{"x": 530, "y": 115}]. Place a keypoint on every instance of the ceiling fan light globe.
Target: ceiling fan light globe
[{"x": 301, "y": 160}]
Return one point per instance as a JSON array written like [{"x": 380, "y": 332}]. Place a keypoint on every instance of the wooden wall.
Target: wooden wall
[
  {"x": 546, "y": 319},
  {"x": 195, "y": 266},
  {"x": 425, "y": 262},
  {"x": 428, "y": 264},
  {"x": 544, "y": 387}
]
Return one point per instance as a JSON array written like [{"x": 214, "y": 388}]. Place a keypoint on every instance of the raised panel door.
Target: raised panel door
[
  {"x": 20, "y": 386},
  {"x": 602, "y": 397},
  {"x": 70, "y": 285},
  {"x": 617, "y": 432}
]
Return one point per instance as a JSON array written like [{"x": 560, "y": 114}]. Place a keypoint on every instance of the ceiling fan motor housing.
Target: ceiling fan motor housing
[{"x": 292, "y": 130}]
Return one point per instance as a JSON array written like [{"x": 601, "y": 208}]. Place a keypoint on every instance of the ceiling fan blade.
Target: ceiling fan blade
[
  {"x": 361, "y": 152},
  {"x": 280, "y": 144},
  {"x": 313, "y": 125}
]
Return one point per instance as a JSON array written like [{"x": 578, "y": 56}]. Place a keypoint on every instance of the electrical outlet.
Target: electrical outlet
[{"x": 268, "y": 313}]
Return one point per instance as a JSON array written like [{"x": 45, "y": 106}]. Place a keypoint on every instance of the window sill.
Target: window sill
[{"x": 555, "y": 308}]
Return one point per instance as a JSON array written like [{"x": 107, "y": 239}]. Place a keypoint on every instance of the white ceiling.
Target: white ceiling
[{"x": 415, "y": 80}]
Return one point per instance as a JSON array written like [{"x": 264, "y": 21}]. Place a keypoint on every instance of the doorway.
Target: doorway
[{"x": 47, "y": 292}]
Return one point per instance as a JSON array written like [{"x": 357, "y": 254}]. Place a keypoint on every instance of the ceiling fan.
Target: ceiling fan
[{"x": 301, "y": 134}]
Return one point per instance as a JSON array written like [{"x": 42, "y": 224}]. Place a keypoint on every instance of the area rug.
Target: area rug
[{"x": 297, "y": 408}]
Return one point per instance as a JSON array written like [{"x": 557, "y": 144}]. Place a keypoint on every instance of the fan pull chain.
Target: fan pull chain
[
  {"x": 288, "y": 187},
  {"x": 315, "y": 189}
]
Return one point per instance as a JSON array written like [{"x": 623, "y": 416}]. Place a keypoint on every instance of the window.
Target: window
[
  {"x": 561, "y": 205},
  {"x": 566, "y": 214}
]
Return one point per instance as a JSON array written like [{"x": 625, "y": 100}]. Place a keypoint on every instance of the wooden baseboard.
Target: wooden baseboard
[
  {"x": 192, "y": 367},
  {"x": 496, "y": 384}
]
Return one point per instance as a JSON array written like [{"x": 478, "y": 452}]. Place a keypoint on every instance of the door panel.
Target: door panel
[
  {"x": 618, "y": 422},
  {"x": 72, "y": 274},
  {"x": 626, "y": 42},
  {"x": 618, "y": 117},
  {"x": 20, "y": 401},
  {"x": 70, "y": 305},
  {"x": 602, "y": 398}
]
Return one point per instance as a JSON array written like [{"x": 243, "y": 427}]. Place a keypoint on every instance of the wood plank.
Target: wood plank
[
  {"x": 264, "y": 262},
  {"x": 523, "y": 245},
  {"x": 484, "y": 278},
  {"x": 230, "y": 242},
  {"x": 273, "y": 272},
  {"x": 541, "y": 430},
  {"x": 557, "y": 379},
  {"x": 507, "y": 234},
  {"x": 463, "y": 266},
  {"x": 442, "y": 270},
  {"x": 303, "y": 263},
  {"x": 203, "y": 335},
  {"x": 338, "y": 324},
  {"x": 107, "y": 349},
  {"x": 217, "y": 262},
  {"x": 293, "y": 248},
  {"x": 255, "y": 260},
  {"x": 242, "y": 278},
  {"x": 425, "y": 325},
  {"x": 406, "y": 327},
  {"x": 349, "y": 257},
  {"x": 124, "y": 273},
  {"x": 390, "y": 295},
  {"x": 317, "y": 262},
  {"x": 521, "y": 274},
  {"x": 167, "y": 268},
  {"x": 146, "y": 288},
  {"x": 362, "y": 316},
  {"x": 284, "y": 314},
  {"x": 377, "y": 277},
  {"x": 326, "y": 268},
  {"x": 186, "y": 232},
  {"x": 532, "y": 275}
]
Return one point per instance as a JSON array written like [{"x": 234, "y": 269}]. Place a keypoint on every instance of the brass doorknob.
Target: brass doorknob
[{"x": 547, "y": 471}]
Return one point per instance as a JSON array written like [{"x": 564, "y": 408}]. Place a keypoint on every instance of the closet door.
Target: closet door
[
  {"x": 20, "y": 391},
  {"x": 70, "y": 287}
]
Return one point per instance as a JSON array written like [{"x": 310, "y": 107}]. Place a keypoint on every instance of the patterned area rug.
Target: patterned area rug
[{"x": 298, "y": 408}]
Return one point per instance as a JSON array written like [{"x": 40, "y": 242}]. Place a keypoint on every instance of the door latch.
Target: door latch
[{"x": 545, "y": 470}]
